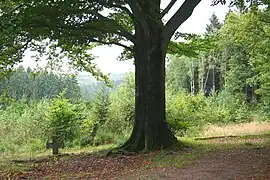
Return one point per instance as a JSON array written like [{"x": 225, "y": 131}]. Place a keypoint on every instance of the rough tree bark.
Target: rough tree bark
[{"x": 150, "y": 131}]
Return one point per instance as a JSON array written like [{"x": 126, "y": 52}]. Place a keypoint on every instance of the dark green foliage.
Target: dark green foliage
[
  {"x": 101, "y": 105},
  {"x": 121, "y": 112},
  {"x": 214, "y": 25},
  {"x": 38, "y": 85},
  {"x": 236, "y": 59},
  {"x": 25, "y": 24},
  {"x": 5, "y": 99},
  {"x": 183, "y": 75},
  {"x": 99, "y": 115},
  {"x": 199, "y": 71},
  {"x": 231, "y": 73},
  {"x": 110, "y": 116}
]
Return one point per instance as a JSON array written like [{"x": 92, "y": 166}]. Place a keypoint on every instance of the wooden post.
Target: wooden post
[{"x": 54, "y": 145}]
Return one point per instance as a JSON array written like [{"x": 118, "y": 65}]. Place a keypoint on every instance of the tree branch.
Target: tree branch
[
  {"x": 125, "y": 9},
  {"x": 87, "y": 28},
  {"x": 112, "y": 43},
  {"x": 168, "y": 8},
  {"x": 15, "y": 9},
  {"x": 181, "y": 15},
  {"x": 127, "y": 35},
  {"x": 123, "y": 32},
  {"x": 132, "y": 5}
]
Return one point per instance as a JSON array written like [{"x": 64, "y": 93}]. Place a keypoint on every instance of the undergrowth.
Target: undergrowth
[{"x": 26, "y": 125}]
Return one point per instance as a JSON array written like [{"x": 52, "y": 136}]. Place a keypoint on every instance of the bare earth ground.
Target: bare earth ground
[
  {"x": 231, "y": 158},
  {"x": 235, "y": 164}
]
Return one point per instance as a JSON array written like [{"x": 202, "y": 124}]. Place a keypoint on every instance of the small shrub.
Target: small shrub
[
  {"x": 183, "y": 111},
  {"x": 63, "y": 120}
]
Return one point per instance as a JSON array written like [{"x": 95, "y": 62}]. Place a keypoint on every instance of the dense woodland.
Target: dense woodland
[{"x": 223, "y": 77}]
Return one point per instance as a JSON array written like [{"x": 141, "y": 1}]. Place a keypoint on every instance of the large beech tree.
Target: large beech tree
[{"x": 73, "y": 25}]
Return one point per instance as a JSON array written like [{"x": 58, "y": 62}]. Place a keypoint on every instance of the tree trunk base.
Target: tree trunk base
[{"x": 138, "y": 140}]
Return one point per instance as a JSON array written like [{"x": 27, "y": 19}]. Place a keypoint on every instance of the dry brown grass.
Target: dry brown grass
[{"x": 252, "y": 128}]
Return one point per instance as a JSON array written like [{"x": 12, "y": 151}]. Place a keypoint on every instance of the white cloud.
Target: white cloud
[{"x": 195, "y": 24}]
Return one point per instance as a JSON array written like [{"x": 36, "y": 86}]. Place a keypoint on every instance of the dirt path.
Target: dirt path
[{"x": 253, "y": 163}]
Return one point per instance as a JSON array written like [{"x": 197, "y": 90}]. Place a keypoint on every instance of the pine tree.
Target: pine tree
[
  {"x": 214, "y": 25},
  {"x": 212, "y": 76},
  {"x": 100, "y": 109}
]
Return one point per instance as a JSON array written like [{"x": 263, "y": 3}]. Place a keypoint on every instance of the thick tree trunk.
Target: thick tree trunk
[
  {"x": 150, "y": 130},
  {"x": 152, "y": 37}
]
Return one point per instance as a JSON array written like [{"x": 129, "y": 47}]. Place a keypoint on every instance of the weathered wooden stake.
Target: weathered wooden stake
[{"x": 54, "y": 145}]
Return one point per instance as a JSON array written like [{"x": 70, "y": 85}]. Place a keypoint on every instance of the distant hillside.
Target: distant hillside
[
  {"x": 88, "y": 79},
  {"x": 89, "y": 85}
]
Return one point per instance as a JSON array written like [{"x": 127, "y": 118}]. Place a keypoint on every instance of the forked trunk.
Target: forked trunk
[{"x": 150, "y": 130}]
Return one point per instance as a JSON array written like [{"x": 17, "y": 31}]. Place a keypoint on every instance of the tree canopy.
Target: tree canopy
[{"x": 74, "y": 25}]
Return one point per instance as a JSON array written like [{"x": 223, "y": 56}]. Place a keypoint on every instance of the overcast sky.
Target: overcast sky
[{"x": 106, "y": 56}]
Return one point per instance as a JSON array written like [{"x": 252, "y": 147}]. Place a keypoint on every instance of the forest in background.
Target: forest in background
[{"x": 225, "y": 81}]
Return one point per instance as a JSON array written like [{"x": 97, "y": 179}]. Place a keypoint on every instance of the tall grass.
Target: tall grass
[{"x": 22, "y": 127}]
